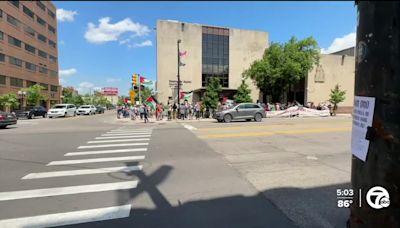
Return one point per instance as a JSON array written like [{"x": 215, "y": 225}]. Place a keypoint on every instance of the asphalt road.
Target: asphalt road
[{"x": 93, "y": 171}]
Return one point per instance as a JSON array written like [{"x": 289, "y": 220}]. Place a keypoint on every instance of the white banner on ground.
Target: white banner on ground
[{"x": 298, "y": 111}]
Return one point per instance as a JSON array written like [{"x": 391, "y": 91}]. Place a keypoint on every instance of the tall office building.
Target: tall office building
[{"x": 28, "y": 49}]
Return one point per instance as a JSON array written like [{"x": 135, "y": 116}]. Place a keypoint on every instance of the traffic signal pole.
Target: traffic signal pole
[
  {"x": 140, "y": 97},
  {"x": 377, "y": 77}
]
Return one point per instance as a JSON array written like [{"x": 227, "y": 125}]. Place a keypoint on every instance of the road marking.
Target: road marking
[
  {"x": 189, "y": 127},
  {"x": 82, "y": 172},
  {"x": 68, "y": 218},
  {"x": 95, "y": 160},
  {"x": 307, "y": 124},
  {"x": 129, "y": 131},
  {"x": 125, "y": 134},
  {"x": 44, "y": 192},
  {"x": 312, "y": 158},
  {"x": 114, "y": 145},
  {"x": 303, "y": 131},
  {"x": 105, "y": 151},
  {"x": 118, "y": 140},
  {"x": 123, "y": 137}
]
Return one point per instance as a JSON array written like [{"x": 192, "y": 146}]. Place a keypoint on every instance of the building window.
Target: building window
[
  {"x": 41, "y": 5},
  {"x": 53, "y": 73},
  {"x": 215, "y": 55},
  {"x": 14, "y": 41},
  {"x": 30, "y": 83},
  {"x": 1, "y": 13},
  {"x": 53, "y": 88},
  {"x": 42, "y": 38},
  {"x": 16, "y": 82},
  {"x": 43, "y": 70},
  {"x": 28, "y": 12},
  {"x": 30, "y": 31},
  {"x": 45, "y": 86},
  {"x": 51, "y": 29},
  {"x": 30, "y": 66},
  {"x": 51, "y": 14},
  {"x": 40, "y": 21},
  {"x": 15, "y": 61},
  {"x": 1, "y": 35},
  {"x": 2, "y": 79},
  {"x": 42, "y": 54},
  {"x": 30, "y": 48},
  {"x": 52, "y": 44},
  {"x": 15, "y": 3},
  {"x": 52, "y": 59},
  {"x": 2, "y": 57},
  {"x": 12, "y": 20}
]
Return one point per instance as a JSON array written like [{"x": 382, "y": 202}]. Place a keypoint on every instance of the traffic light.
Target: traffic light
[{"x": 134, "y": 79}]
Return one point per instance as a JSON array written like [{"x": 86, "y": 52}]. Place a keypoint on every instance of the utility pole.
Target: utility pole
[
  {"x": 140, "y": 96},
  {"x": 179, "y": 77},
  {"x": 377, "y": 77}
]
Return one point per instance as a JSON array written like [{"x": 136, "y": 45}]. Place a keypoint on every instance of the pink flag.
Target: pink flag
[{"x": 182, "y": 53}]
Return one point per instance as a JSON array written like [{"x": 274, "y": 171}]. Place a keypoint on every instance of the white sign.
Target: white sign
[{"x": 363, "y": 112}]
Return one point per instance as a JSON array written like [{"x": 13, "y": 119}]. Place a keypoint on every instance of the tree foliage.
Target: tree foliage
[
  {"x": 337, "y": 96},
  {"x": 212, "y": 93},
  {"x": 243, "y": 93},
  {"x": 283, "y": 65},
  {"x": 9, "y": 100},
  {"x": 34, "y": 95}
]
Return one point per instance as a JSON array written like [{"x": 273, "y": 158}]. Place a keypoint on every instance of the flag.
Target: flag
[
  {"x": 181, "y": 63},
  {"x": 182, "y": 53},
  {"x": 150, "y": 101},
  {"x": 188, "y": 96},
  {"x": 146, "y": 82}
]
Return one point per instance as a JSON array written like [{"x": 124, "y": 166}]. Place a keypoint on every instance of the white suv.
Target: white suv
[
  {"x": 86, "y": 110},
  {"x": 63, "y": 110}
]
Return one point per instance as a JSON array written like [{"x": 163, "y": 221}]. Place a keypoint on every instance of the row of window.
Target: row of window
[
  {"x": 39, "y": 4},
  {"x": 29, "y": 66},
  {"x": 17, "y": 82},
  {"x": 18, "y": 43}
]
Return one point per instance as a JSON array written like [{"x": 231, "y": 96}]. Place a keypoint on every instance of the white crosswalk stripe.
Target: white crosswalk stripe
[
  {"x": 82, "y": 172},
  {"x": 129, "y": 131},
  {"x": 122, "y": 134},
  {"x": 123, "y": 137},
  {"x": 26, "y": 194},
  {"x": 114, "y": 145},
  {"x": 105, "y": 151},
  {"x": 119, "y": 140},
  {"x": 95, "y": 160}
]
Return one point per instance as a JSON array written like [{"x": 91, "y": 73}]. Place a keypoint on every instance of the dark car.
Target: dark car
[
  {"x": 6, "y": 119},
  {"x": 247, "y": 111},
  {"x": 99, "y": 109},
  {"x": 32, "y": 112}
]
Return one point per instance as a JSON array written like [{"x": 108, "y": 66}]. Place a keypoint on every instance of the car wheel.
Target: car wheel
[
  {"x": 258, "y": 117},
  {"x": 227, "y": 118},
  {"x": 3, "y": 127}
]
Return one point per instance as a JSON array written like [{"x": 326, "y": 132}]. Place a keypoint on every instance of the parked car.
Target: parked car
[
  {"x": 6, "y": 119},
  {"x": 247, "y": 111},
  {"x": 86, "y": 110},
  {"x": 31, "y": 112},
  {"x": 62, "y": 110},
  {"x": 100, "y": 109}
]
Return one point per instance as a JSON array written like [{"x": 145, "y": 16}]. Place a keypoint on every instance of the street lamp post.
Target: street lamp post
[
  {"x": 22, "y": 95},
  {"x": 179, "y": 77}
]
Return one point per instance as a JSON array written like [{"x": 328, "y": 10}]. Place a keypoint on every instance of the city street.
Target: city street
[{"x": 97, "y": 171}]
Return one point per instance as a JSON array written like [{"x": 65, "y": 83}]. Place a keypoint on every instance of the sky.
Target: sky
[{"x": 101, "y": 44}]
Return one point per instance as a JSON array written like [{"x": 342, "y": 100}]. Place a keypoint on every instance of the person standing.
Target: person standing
[
  {"x": 141, "y": 112},
  {"x": 145, "y": 113},
  {"x": 174, "y": 108},
  {"x": 182, "y": 111},
  {"x": 169, "y": 111},
  {"x": 197, "y": 110}
]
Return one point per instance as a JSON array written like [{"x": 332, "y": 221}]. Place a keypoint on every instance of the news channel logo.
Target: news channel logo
[{"x": 378, "y": 197}]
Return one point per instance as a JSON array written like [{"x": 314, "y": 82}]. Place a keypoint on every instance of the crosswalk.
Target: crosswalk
[{"x": 122, "y": 144}]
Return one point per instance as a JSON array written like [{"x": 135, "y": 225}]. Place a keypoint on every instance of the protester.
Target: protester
[
  {"x": 182, "y": 111},
  {"x": 197, "y": 110},
  {"x": 174, "y": 107},
  {"x": 145, "y": 113}
]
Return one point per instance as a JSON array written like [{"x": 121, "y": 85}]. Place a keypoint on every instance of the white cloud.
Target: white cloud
[
  {"x": 66, "y": 15},
  {"x": 111, "y": 80},
  {"x": 341, "y": 43},
  {"x": 86, "y": 85},
  {"x": 106, "y": 31},
  {"x": 62, "y": 81},
  {"x": 146, "y": 43},
  {"x": 67, "y": 72}
]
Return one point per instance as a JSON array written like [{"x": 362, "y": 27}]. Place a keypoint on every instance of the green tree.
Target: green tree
[
  {"x": 9, "y": 101},
  {"x": 243, "y": 93},
  {"x": 34, "y": 95},
  {"x": 337, "y": 96},
  {"x": 145, "y": 92},
  {"x": 212, "y": 93}
]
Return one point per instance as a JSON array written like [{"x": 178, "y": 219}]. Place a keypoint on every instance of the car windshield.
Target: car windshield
[
  {"x": 85, "y": 106},
  {"x": 59, "y": 106}
]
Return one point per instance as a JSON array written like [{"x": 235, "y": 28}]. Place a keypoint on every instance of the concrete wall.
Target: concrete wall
[
  {"x": 245, "y": 47},
  {"x": 333, "y": 69}
]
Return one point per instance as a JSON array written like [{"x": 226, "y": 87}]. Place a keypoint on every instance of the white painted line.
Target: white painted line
[
  {"x": 95, "y": 160},
  {"x": 123, "y": 137},
  {"x": 189, "y": 127},
  {"x": 129, "y": 131},
  {"x": 68, "y": 218},
  {"x": 125, "y": 134},
  {"x": 105, "y": 151},
  {"x": 82, "y": 172},
  {"x": 114, "y": 145},
  {"x": 118, "y": 140},
  {"x": 44, "y": 192}
]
